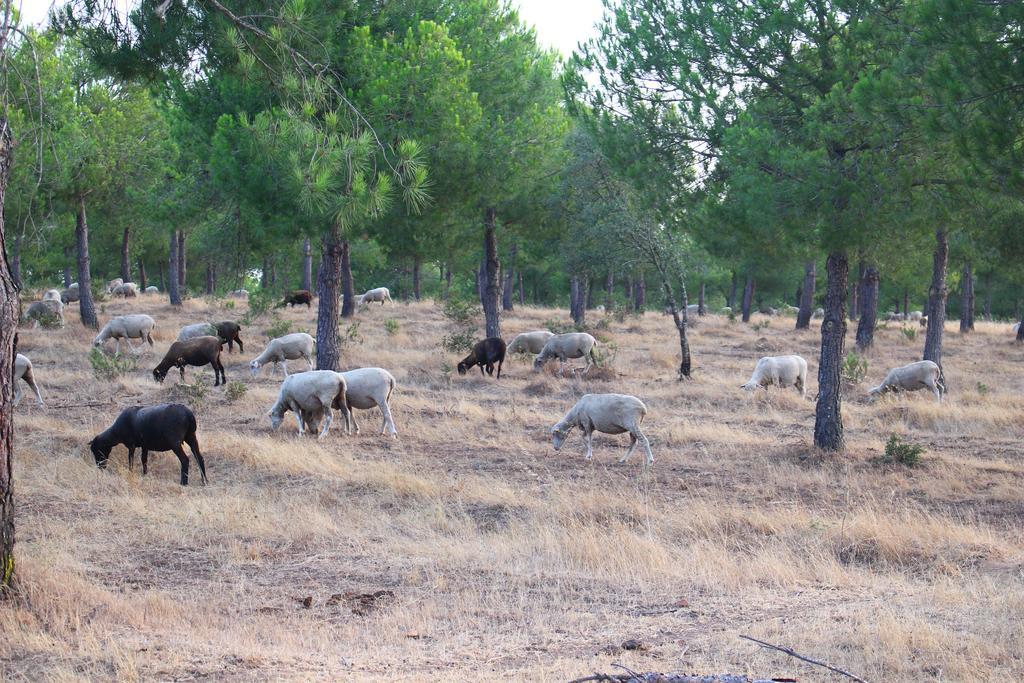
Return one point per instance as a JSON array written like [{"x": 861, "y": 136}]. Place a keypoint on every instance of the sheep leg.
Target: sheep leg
[
  {"x": 646, "y": 444},
  {"x": 193, "y": 445},
  {"x": 298, "y": 418},
  {"x": 183, "y": 459},
  {"x": 144, "y": 457},
  {"x": 499, "y": 367},
  {"x": 327, "y": 423},
  {"x": 587, "y": 437},
  {"x": 131, "y": 458},
  {"x": 632, "y": 445},
  {"x": 389, "y": 423},
  {"x": 117, "y": 346},
  {"x": 355, "y": 425},
  {"x": 149, "y": 338},
  {"x": 30, "y": 380},
  {"x": 309, "y": 361},
  {"x": 17, "y": 393},
  {"x": 938, "y": 394}
]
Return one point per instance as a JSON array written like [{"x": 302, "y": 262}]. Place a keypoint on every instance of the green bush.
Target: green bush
[
  {"x": 351, "y": 335},
  {"x": 259, "y": 304},
  {"x": 560, "y": 326},
  {"x": 902, "y": 453},
  {"x": 461, "y": 312},
  {"x": 278, "y": 328},
  {"x": 461, "y": 341},
  {"x": 909, "y": 333},
  {"x": 763, "y": 325},
  {"x": 855, "y": 368},
  {"x": 235, "y": 390},
  {"x": 391, "y": 327},
  {"x": 605, "y": 353},
  {"x": 106, "y": 367},
  {"x": 229, "y": 305},
  {"x": 192, "y": 394}
]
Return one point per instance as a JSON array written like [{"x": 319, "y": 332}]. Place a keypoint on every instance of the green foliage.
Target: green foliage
[
  {"x": 107, "y": 368},
  {"x": 855, "y": 368},
  {"x": 909, "y": 333},
  {"x": 193, "y": 394},
  {"x": 351, "y": 335},
  {"x": 460, "y": 341},
  {"x": 902, "y": 452},
  {"x": 278, "y": 328},
  {"x": 982, "y": 389},
  {"x": 762, "y": 325},
  {"x": 259, "y": 304},
  {"x": 559, "y": 326},
  {"x": 391, "y": 326},
  {"x": 234, "y": 391},
  {"x": 462, "y": 313},
  {"x": 605, "y": 354}
]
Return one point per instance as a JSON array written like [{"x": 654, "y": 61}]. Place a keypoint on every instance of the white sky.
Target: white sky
[{"x": 561, "y": 24}]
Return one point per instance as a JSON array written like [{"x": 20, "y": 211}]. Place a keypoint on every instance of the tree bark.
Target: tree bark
[
  {"x": 348, "y": 286},
  {"x": 869, "y": 309},
  {"x": 142, "y": 276},
  {"x": 937, "y": 301},
  {"x": 211, "y": 278},
  {"x": 988, "y": 299},
  {"x": 748, "y": 298},
  {"x": 510, "y": 279},
  {"x": 906, "y": 303},
  {"x": 681, "y": 320},
  {"x": 86, "y": 307},
  {"x": 492, "y": 315},
  {"x": 307, "y": 265},
  {"x": 329, "y": 291},
  {"x": 160, "y": 270},
  {"x": 9, "y": 315},
  {"x": 828, "y": 416},
  {"x": 417, "y": 265},
  {"x": 1020, "y": 331},
  {"x": 589, "y": 304},
  {"x": 522, "y": 289},
  {"x": 16, "y": 262},
  {"x": 857, "y": 290},
  {"x": 181, "y": 259},
  {"x": 639, "y": 293},
  {"x": 609, "y": 291},
  {"x": 627, "y": 285},
  {"x": 732, "y": 293},
  {"x": 803, "y": 316},
  {"x": 967, "y": 299},
  {"x": 577, "y": 308},
  {"x": 173, "y": 287},
  {"x": 126, "y": 270},
  {"x": 701, "y": 308}
]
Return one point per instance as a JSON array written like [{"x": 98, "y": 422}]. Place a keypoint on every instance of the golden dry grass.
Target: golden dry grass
[{"x": 503, "y": 557}]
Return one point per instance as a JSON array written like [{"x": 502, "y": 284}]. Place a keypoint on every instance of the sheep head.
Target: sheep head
[
  {"x": 275, "y": 420},
  {"x": 100, "y": 451},
  {"x": 558, "y": 437},
  {"x": 254, "y": 368},
  {"x": 159, "y": 375}
]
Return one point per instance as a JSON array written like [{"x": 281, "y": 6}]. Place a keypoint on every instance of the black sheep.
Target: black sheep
[
  {"x": 299, "y": 296},
  {"x": 196, "y": 352},
  {"x": 485, "y": 354},
  {"x": 163, "y": 427},
  {"x": 228, "y": 332}
]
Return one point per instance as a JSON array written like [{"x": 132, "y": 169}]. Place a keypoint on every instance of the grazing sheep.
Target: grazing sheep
[
  {"x": 485, "y": 353},
  {"x": 783, "y": 371},
  {"x": 606, "y": 413},
  {"x": 42, "y": 310},
  {"x": 530, "y": 342},
  {"x": 769, "y": 311},
  {"x": 239, "y": 294},
  {"x": 923, "y": 321},
  {"x": 794, "y": 310},
  {"x": 23, "y": 371},
  {"x": 297, "y": 298},
  {"x": 893, "y": 317},
  {"x": 228, "y": 331},
  {"x": 128, "y": 290},
  {"x": 116, "y": 282},
  {"x": 565, "y": 346},
  {"x": 163, "y": 427},
  {"x": 369, "y": 387},
  {"x": 197, "y": 330},
  {"x": 283, "y": 349},
  {"x": 725, "y": 310},
  {"x": 152, "y": 289},
  {"x": 1016, "y": 327},
  {"x": 915, "y": 316},
  {"x": 126, "y": 327},
  {"x": 380, "y": 294},
  {"x": 69, "y": 295},
  {"x": 195, "y": 352},
  {"x": 911, "y": 377},
  {"x": 51, "y": 295},
  {"x": 311, "y": 395},
  {"x": 819, "y": 314}
]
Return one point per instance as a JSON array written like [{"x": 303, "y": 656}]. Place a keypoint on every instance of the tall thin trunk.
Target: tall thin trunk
[
  {"x": 481, "y": 278},
  {"x": 142, "y": 275},
  {"x": 126, "y": 270},
  {"x": 16, "y": 262},
  {"x": 628, "y": 287},
  {"x": 681, "y": 320},
  {"x": 967, "y": 299},
  {"x": 181, "y": 258},
  {"x": 639, "y": 293},
  {"x": 536, "y": 292},
  {"x": 510, "y": 279},
  {"x": 590, "y": 293},
  {"x": 447, "y": 281},
  {"x": 609, "y": 290},
  {"x": 906, "y": 303},
  {"x": 701, "y": 308},
  {"x": 86, "y": 308},
  {"x": 173, "y": 286},
  {"x": 828, "y": 416},
  {"x": 328, "y": 291},
  {"x": 857, "y": 290},
  {"x": 348, "y": 286},
  {"x": 748, "y": 298},
  {"x": 1020, "y": 330},
  {"x": 492, "y": 315},
  {"x": 732, "y": 292},
  {"x": 988, "y": 299},
  {"x": 160, "y": 270},
  {"x": 9, "y": 315},
  {"x": 416, "y": 266},
  {"x": 577, "y": 307},
  {"x": 211, "y": 278},
  {"x": 522, "y": 289},
  {"x": 67, "y": 276},
  {"x": 869, "y": 309},
  {"x": 803, "y": 316},
  {"x": 937, "y": 301},
  {"x": 307, "y": 265}
]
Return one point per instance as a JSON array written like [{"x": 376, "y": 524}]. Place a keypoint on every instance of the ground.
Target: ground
[{"x": 479, "y": 551}]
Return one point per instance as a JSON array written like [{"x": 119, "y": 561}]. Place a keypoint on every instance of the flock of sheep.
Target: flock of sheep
[{"x": 314, "y": 395}]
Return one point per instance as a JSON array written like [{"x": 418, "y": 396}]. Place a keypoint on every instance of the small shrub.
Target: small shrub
[
  {"x": 982, "y": 389},
  {"x": 446, "y": 372},
  {"x": 229, "y": 305},
  {"x": 461, "y": 312},
  {"x": 351, "y": 335},
  {"x": 49, "y": 320},
  {"x": 619, "y": 314},
  {"x": 459, "y": 342},
  {"x": 604, "y": 323},
  {"x": 560, "y": 326},
  {"x": 106, "y": 367},
  {"x": 909, "y": 333},
  {"x": 193, "y": 394},
  {"x": 259, "y": 304},
  {"x": 235, "y": 391},
  {"x": 763, "y": 325},
  {"x": 278, "y": 328},
  {"x": 902, "y": 452},
  {"x": 855, "y": 368},
  {"x": 605, "y": 353},
  {"x": 391, "y": 327},
  {"x": 732, "y": 316}
]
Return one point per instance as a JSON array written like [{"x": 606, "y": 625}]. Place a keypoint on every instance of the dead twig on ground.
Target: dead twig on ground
[{"x": 791, "y": 653}]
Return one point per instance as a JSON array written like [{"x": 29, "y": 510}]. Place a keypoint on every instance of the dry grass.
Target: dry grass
[{"x": 504, "y": 557}]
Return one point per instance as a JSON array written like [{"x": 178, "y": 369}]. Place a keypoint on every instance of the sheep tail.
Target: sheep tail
[{"x": 391, "y": 390}]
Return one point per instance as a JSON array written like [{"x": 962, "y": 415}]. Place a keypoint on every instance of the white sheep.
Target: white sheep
[
  {"x": 725, "y": 310},
  {"x": 40, "y": 310},
  {"x": 152, "y": 289},
  {"x": 819, "y": 313},
  {"x": 380, "y": 294},
  {"x": 606, "y": 413},
  {"x": 915, "y": 316},
  {"x": 893, "y": 317},
  {"x": 126, "y": 290},
  {"x": 239, "y": 294},
  {"x": 51, "y": 295},
  {"x": 529, "y": 342},
  {"x": 114, "y": 283},
  {"x": 565, "y": 346},
  {"x": 126, "y": 327},
  {"x": 282, "y": 349},
  {"x": 311, "y": 396},
  {"x": 369, "y": 387},
  {"x": 197, "y": 330},
  {"x": 782, "y": 371},
  {"x": 23, "y": 371},
  {"x": 794, "y": 310},
  {"x": 911, "y": 377},
  {"x": 1016, "y": 327}
]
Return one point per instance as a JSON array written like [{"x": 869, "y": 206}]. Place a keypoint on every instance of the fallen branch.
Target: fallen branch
[
  {"x": 791, "y": 653},
  {"x": 668, "y": 678}
]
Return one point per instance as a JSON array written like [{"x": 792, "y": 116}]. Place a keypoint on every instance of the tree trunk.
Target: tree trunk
[
  {"x": 856, "y": 291},
  {"x": 142, "y": 276},
  {"x": 536, "y": 292},
  {"x": 265, "y": 274},
  {"x": 522, "y": 289},
  {"x": 748, "y": 298},
  {"x": 9, "y": 315},
  {"x": 640, "y": 294},
  {"x": 126, "y": 271},
  {"x": 181, "y": 259},
  {"x": 510, "y": 279},
  {"x": 803, "y": 317},
  {"x": 492, "y": 315},
  {"x": 937, "y": 301},
  {"x": 173, "y": 286},
  {"x": 329, "y": 291},
  {"x": 307, "y": 265},
  {"x": 828, "y": 416},
  {"x": 967, "y": 300},
  {"x": 480, "y": 279},
  {"x": 628, "y": 287},
  {"x": 590, "y": 293},
  {"x": 609, "y": 291},
  {"x": 701, "y": 308},
  {"x": 988, "y": 299},
  {"x": 681, "y": 320},
  {"x": 906, "y": 303},
  {"x": 417, "y": 265},
  {"x": 348, "y": 286},
  {"x": 211, "y": 278},
  {"x": 732, "y": 293},
  {"x": 160, "y": 270},
  {"x": 447, "y": 281},
  {"x": 869, "y": 309},
  {"x": 16, "y": 262},
  {"x": 1020, "y": 330},
  {"x": 576, "y": 308},
  {"x": 86, "y": 308}
]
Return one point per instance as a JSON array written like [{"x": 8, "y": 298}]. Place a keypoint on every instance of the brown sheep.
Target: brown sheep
[
  {"x": 196, "y": 352},
  {"x": 299, "y": 296}
]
